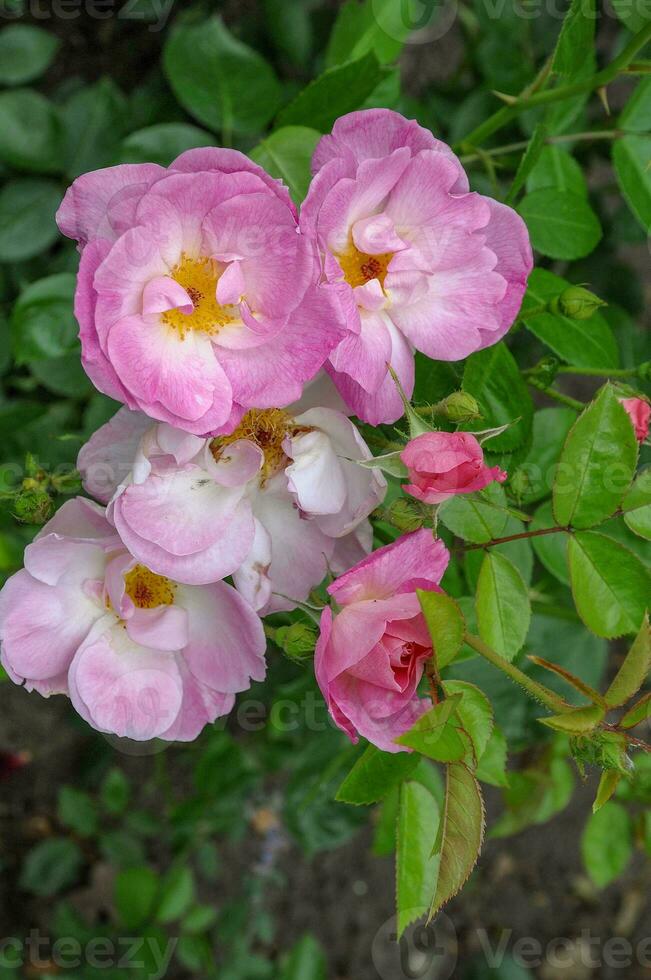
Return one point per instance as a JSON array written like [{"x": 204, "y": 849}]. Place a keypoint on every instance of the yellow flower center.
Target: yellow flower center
[
  {"x": 267, "y": 428},
  {"x": 199, "y": 278},
  {"x": 148, "y": 590},
  {"x": 359, "y": 268}
]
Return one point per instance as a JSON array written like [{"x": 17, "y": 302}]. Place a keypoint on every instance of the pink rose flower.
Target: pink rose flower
[
  {"x": 420, "y": 262},
  {"x": 140, "y": 655},
  {"x": 639, "y": 412},
  {"x": 196, "y": 296},
  {"x": 442, "y": 464},
  {"x": 274, "y": 504},
  {"x": 371, "y": 654}
]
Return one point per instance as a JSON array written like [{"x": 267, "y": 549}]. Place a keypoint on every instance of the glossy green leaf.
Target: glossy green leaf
[
  {"x": 362, "y": 27},
  {"x": 503, "y": 607},
  {"x": 528, "y": 162},
  {"x": 596, "y": 465},
  {"x": 287, "y": 153},
  {"x": 375, "y": 774},
  {"x": 637, "y": 505},
  {"x": 634, "y": 670},
  {"x": 338, "y": 90},
  {"x": 26, "y": 52},
  {"x": 579, "y": 721},
  {"x": 94, "y": 121},
  {"x": 493, "y": 377},
  {"x": 606, "y": 844},
  {"x": 445, "y": 623},
  {"x": 636, "y": 114},
  {"x": 550, "y": 549},
  {"x": 638, "y": 714},
  {"x": 476, "y": 517},
  {"x": 42, "y": 322},
  {"x": 608, "y": 783},
  {"x": 222, "y": 82},
  {"x": 576, "y": 38},
  {"x": 461, "y": 835},
  {"x": 557, "y": 168},
  {"x": 582, "y": 343},
  {"x": 610, "y": 584},
  {"x": 491, "y": 768},
  {"x": 631, "y": 156},
  {"x": 30, "y": 132},
  {"x": 562, "y": 225},
  {"x": 416, "y": 866},
  {"x": 27, "y": 209},
  {"x": 438, "y": 735},
  {"x": 163, "y": 142},
  {"x": 475, "y": 713}
]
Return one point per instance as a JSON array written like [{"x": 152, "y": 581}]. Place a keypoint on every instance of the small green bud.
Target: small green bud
[
  {"x": 544, "y": 373},
  {"x": 576, "y": 302},
  {"x": 460, "y": 407},
  {"x": 607, "y": 750},
  {"x": 33, "y": 506},
  {"x": 297, "y": 641}
]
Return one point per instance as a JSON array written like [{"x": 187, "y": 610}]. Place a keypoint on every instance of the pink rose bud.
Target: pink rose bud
[
  {"x": 639, "y": 412},
  {"x": 442, "y": 464},
  {"x": 371, "y": 655}
]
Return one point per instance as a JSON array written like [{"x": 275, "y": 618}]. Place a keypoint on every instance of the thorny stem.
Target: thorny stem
[
  {"x": 504, "y": 115},
  {"x": 538, "y": 691},
  {"x": 516, "y": 537},
  {"x": 498, "y": 151}
]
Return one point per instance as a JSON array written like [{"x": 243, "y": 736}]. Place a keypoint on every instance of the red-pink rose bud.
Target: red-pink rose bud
[
  {"x": 639, "y": 412},
  {"x": 443, "y": 464}
]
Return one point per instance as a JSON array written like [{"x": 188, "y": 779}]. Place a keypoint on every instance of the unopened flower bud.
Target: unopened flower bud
[
  {"x": 297, "y": 641},
  {"x": 576, "y": 302},
  {"x": 460, "y": 407},
  {"x": 33, "y": 506}
]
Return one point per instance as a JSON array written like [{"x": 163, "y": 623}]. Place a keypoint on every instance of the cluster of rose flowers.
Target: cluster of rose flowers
[{"x": 240, "y": 338}]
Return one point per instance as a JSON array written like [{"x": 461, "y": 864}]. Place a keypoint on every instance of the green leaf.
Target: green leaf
[
  {"x": 437, "y": 734},
  {"x": 576, "y": 39},
  {"x": 635, "y": 14},
  {"x": 557, "y": 168},
  {"x": 631, "y": 156},
  {"x": 579, "y": 721},
  {"x": 163, "y": 142},
  {"x": 135, "y": 893},
  {"x": 222, "y": 82},
  {"x": 63, "y": 375},
  {"x": 639, "y": 713},
  {"x": 30, "y": 134},
  {"x": 596, "y": 465},
  {"x": 176, "y": 894},
  {"x": 503, "y": 607},
  {"x": 199, "y": 918},
  {"x": 375, "y": 774},
  {"x": 94, "y": 121},
  {"x": 27, "y": 209},
  {"x": 606, "y": 844},
  {"x": 76, "y": 810},
  {"x": 608, "y": 783},
  {"x": 550, "y": 549},
  {"x": 492, "y": 765},
  {"x": 637, "y": 505},
  {"x": 384, "y": 839},
  {"x": 373, "y": 25},
  {"x": 51, "y": 866},
  {"x": 562, "y": 225},
  {"x": 42, "y": 321},
  {"x": 550, "y": 428},
  {"x": 115, "y": 791},
  {"x": 634, "y": 671},
  {"x": 306, "y": 961},
  {"x": 287, "y": 153},
  {"x": 582, "y": 343},
  {"x": 26, "y": 53},
  {"x": 416, "y": 867},
  {"x": 636, "y": 115},
  {"x": 528, "y": 162},
  {"x": 475, "y": 713},
  {"x": 461, "y": 834},
  {"x": 610, "y": 584},
  {"x": 476, "y": 517},
  {"x": 445, "y": 623},
  {"x": 493, "y": 377},
  {"x": 337, "y": 91}
]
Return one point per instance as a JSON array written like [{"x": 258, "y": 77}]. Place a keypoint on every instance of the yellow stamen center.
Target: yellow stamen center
[
  {"x": 148, "y": 590},
  {"x": 267, "y": 428},
  {"x": 359, "y": 268},
  {"x": 199, "y": 278}
]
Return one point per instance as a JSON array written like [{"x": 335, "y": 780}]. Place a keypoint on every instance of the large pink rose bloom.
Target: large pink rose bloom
[
  {"x": 140, "y": 655},
  {"x": 274, "y": 504},
  {"x": 371, "y": 654},
  {"x": 443, "y": 464},
  {"x": 196, "y": 297},
  {"x": 421, "y": 263}
]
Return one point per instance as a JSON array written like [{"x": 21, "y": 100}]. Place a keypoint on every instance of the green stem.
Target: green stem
[
  {"x": 558, "y": 396},
  {"x": 498, "y": 151},
  {"x": 538, "y": 691},
  {"x": 516, "y": 537},
  {"x": 503, "y": 116},
  {"x": 598, "y": 372}
]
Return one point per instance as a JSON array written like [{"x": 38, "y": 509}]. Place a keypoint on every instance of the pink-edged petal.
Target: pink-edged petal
[
  {"x": 82, "y": 520},
  {"x": 182, "y": 446},
  {"x": 416, "y": 560},
  {"x": 231, "y": 285},
  {"x": 164, "y": 293},
  {"x": 107, "y": 458},
  {"x": 123, "y": 688},
  {"x": 370, "y": 296},
  {"x": 352, "y": 548},
  {"x": 507, "y": 236},
  {"x": 376, "y": 234},
  {"x": 201, "y": 706},
  {"x": 162, "y": 628},
  {"x": 226, "y": 642},
  {"x": 364, "y": 356}
]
